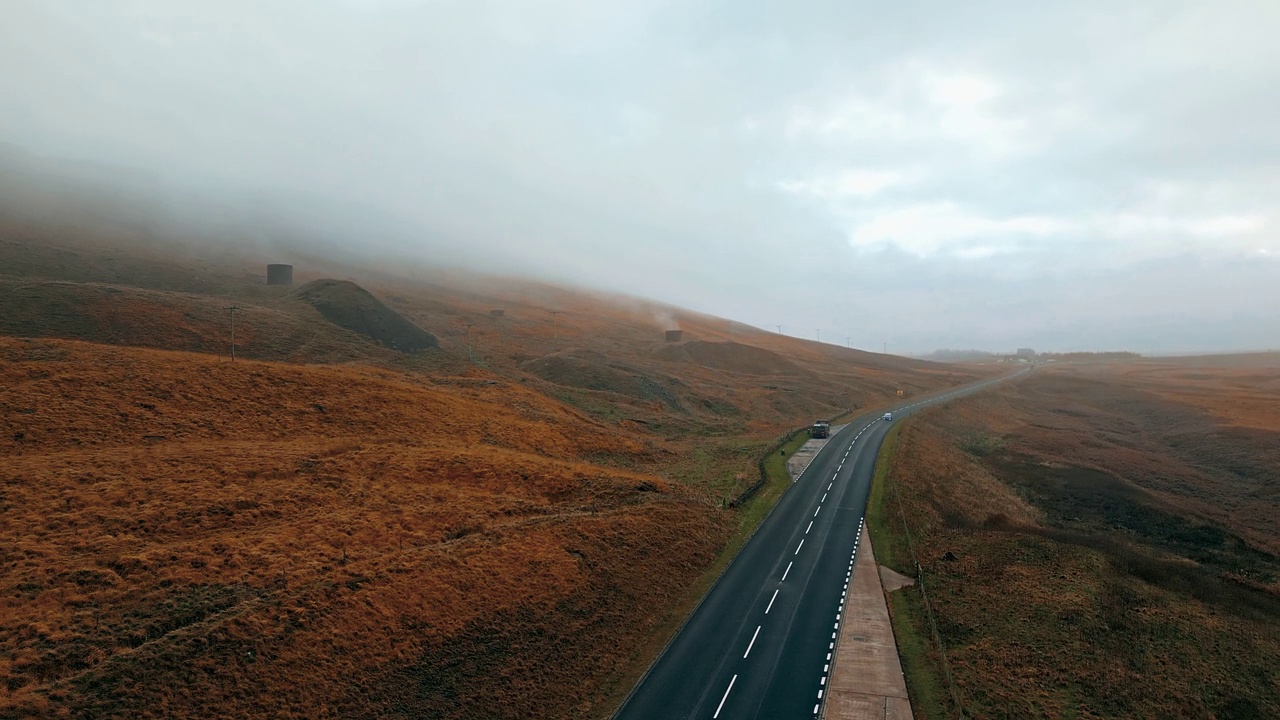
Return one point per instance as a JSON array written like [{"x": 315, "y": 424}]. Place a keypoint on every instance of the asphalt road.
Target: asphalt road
[{"x": 760, "y": 643}]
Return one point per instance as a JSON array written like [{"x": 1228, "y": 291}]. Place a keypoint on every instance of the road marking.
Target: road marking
[
  {"x": 784, "y": 573},
  {"x": 815, "y": 512},
  {"x": 830, "y": 484},
  {"x": 752, "y": 643},
  {"x": 775, "y": 597},
  {"x": 806, "y": 530},
  {"x": 800, "y": 546},
  {"x": 824, "y": 498},
  {"x": 726, "y": 697}
]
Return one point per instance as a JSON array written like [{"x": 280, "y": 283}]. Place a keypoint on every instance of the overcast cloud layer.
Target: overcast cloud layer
[{"x": 986, "y": 174}]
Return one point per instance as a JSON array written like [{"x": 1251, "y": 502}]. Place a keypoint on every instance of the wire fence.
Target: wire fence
[
  {"x": 763, "y": 476},
  {"x": 928, "y": 611}
]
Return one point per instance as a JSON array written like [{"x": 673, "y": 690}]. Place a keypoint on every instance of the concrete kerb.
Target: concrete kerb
[{"x": 866, "y": 686}]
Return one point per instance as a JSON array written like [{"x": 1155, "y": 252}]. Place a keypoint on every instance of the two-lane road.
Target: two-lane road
[{"x": 760, "y": 644}]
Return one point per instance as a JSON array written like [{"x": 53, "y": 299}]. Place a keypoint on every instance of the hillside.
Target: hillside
[
  {"x": 406, "y": 481},
  {"x": 1096, "y": 542},
  {"x": 731, "y": 379},
  {"x": 235, "y": 532},
  {"x": 274, "y": 329},
  {"x": 351, "y": 307}
]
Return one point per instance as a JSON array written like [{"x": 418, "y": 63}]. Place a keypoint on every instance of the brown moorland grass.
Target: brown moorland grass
[
  {"x": 409, "y": 535},
  {"x": 1113, "y": 547},
  {"x": 727, "y": 379},
  {"x": 188, "y": 538}
]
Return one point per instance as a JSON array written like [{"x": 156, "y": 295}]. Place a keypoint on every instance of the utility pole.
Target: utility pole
[
  {"x": 779, "y": 329},
  {"x": 819, "y": 335},
  {"x": 469, "y": 357},
  {"x": 233, "y": 309}
]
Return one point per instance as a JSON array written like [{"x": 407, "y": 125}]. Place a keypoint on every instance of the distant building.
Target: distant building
[
  {"x": 1025, "y": 354},
  {"x": 279, "y": 274}
]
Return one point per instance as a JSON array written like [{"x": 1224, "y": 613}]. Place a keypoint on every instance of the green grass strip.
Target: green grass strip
[{"x": 906, "y": 607}]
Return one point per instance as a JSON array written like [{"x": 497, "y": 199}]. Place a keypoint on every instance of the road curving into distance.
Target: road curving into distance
[{"x": 760, "y": 643}]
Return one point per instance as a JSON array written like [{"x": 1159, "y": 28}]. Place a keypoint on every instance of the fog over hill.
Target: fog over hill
[{"x": 1075, "y": 178}]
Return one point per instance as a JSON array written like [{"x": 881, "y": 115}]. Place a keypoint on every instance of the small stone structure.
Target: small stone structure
[{"x": 279, "y": 274}]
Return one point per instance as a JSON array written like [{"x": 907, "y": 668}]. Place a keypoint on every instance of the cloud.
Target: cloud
[
  {"x": 928, "y": 229},
  {"x": 994, "y": 169},
  {"x": 914, "y": 105},
  {"x": 851, "y": 183}
]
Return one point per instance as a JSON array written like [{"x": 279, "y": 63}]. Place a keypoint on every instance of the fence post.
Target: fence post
[{"x": 928, "y": 609}]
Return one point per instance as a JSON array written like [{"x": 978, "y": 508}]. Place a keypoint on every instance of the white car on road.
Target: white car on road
[{"x": 887, "y": 416}]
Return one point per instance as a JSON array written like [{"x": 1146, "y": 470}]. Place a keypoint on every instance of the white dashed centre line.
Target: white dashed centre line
[
  {"x": 800, "y": 546},
  {"x": 752, "y": 643},
  {"x": 824, "y": 498},
  {"x": 726, "y": 697},
  {"x": 784, "y": 572},
  {"x": 806, "y": 530},
  {"x": 775, "y": 597},
  {"x": 815, "y": 512}
]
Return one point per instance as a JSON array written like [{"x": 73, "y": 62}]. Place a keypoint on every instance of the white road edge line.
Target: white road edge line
[
  {"x": 752, "y": 643},
  {"x": 726, "y": 697}
]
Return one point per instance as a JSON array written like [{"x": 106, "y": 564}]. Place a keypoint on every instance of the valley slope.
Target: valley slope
[{"x": 415, "y": 493}]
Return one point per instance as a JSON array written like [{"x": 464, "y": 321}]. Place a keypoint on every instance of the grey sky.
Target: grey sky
[{"x": 928, "y": 174}]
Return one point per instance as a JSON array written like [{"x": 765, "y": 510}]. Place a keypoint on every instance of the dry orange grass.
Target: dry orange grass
[
  {"x": 413, "y": 535},
  {"x": 66, "y": 394},
  {"x": 1112, "y": 544},
  {"x": 189, "y": 538},
  {"x": 728, "y": 381},
  {"x": 1244, "y": 394}
]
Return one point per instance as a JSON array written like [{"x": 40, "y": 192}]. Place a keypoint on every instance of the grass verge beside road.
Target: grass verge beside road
[
  {"x": 906, "y": 606},
  {"x": 890, "y": 546}
]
